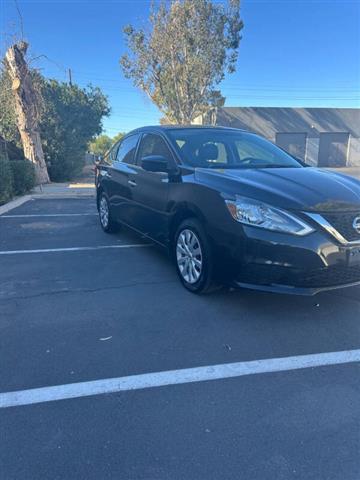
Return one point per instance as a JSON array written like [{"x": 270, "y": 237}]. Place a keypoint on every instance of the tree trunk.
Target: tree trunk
[{"x": 26, "y": 109}]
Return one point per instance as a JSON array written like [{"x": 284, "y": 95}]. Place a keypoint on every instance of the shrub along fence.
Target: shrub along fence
[{"x": 16, "y": 178}]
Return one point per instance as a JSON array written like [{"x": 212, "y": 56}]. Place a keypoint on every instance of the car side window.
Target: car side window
[
  {"x": 127, "y": 149},
  {"x": 152, "y": 144},
  {"x": 110, "y": 155}
]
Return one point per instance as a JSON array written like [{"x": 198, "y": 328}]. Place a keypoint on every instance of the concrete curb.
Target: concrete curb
[
  {"x": 42, "y": 196},
  {"x": 14, "y": 203},
  {"x": 47, "y": 196}
]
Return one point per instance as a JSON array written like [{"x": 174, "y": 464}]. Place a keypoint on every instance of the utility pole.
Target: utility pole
[
  {"x": 70, "y": 77},
  {"x": 26, "y": 109}
]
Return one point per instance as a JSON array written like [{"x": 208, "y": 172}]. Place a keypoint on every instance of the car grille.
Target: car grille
[
  {"x": 343, "y": 223},
  {"x": 325, "y": 277}
]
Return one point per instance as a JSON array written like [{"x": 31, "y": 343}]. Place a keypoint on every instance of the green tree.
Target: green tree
[
  {"x": 100, "y": 145},
  {"x": 71, "y": 117},
  {"x": 6, "y": 180},
  {"x": 118, "y": 137},
  {"x": 185, "y": 55},
  {"x": 8, "y": 127}
]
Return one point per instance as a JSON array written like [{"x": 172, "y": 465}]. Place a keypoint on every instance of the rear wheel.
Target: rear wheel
[
  {"x": 193, "y": 257},
  {"x": 105, "y": 216}
]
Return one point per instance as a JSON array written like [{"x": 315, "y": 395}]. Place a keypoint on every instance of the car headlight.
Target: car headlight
[{"x": 257, "y": 214}]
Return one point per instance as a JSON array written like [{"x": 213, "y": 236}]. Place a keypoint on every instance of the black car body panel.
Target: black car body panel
[
  {"x": 155, "y": 202},
  {"x": 310, "y": 189}
]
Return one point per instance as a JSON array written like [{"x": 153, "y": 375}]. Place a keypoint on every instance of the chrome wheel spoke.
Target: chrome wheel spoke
[
  {"x": 181, "y": 249},
  {"x": 193, "y": 241},
  {"x": 183, "y": 239},
  {"x": 181, "y": 260},
  {"x": 194, "y": 273},
  {"x": 189, "y": 273},
  {"x": 197, "y": 262}
]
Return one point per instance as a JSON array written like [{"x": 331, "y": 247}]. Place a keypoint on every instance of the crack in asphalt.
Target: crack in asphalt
[
  {"x": 83, "y": 290},
  {"x": 125, "y": 285}
]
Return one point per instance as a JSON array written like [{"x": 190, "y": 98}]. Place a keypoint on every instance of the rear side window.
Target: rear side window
[
  {"x": 127, "y": 148},
  {"x": 153, "y": 145}
]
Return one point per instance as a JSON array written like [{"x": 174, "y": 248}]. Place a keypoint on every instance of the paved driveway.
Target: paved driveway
[{"x": 77, "y": 305}]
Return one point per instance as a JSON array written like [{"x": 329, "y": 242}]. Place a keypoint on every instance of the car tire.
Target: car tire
[
  {"x": 105, "y": 216},
  {"x": 193, "y": 257}
]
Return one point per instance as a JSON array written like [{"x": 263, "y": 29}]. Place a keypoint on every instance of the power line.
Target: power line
[
  {"x": 90, "y": 77},
  {"x": 125, "y": 85},
  {"x": 238, "y": 87}
]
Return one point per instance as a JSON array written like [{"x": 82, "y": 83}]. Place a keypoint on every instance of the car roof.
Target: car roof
[{"x": 164, "y": 128}]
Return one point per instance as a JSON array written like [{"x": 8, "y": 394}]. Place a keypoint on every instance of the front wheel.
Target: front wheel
[
  {"x": 106, "y": 221},
  {"x": 193, "y": 257}
]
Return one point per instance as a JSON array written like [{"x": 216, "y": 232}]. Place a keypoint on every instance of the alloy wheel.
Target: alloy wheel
[
  {"x": 189, "y": 256},
  {"x": 104, "y": 212}
]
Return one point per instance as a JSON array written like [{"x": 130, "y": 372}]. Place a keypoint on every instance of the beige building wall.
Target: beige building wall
[{"x": 267, "y": 121}]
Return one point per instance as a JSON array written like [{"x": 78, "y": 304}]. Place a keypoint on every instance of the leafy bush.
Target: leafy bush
[
  {"x": 14, "y": 152},
  {"x": 71, "y": 118},
  {"x": 23, "y": 173},
  {"x": 6, "y": 180}
]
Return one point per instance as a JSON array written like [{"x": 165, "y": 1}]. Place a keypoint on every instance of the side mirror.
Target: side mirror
[{"x": 155, "y": 163}]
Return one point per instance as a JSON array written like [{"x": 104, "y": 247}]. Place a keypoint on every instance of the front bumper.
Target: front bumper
[
  {"x": 283, "y": 263},
  {"x": 304, "y": 287}
]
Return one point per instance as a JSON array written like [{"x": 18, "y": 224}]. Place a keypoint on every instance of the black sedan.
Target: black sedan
[{"x": 232, "y": 207}]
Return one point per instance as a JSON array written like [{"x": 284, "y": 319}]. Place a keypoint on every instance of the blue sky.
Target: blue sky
[{"x": 293, "y": 52}]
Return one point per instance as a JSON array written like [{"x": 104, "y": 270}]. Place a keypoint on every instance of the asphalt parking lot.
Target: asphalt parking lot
[{"x": 77, "y": 305}]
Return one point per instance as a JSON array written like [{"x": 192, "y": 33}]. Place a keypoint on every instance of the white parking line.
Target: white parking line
[
  {"x": 49, "y": 215},
  {"x": 175, "y": 377},
  {"x": 72, "y": 249}
]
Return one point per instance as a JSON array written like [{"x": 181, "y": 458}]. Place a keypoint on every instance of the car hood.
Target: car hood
[{"x": 310, "y": 189}]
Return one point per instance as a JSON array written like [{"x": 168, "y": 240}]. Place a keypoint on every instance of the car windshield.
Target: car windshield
[{"x": 211, "y": 148}]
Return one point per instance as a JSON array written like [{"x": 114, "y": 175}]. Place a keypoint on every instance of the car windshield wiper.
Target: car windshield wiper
[
  {"x": 243, "y": 167},
  {"x": 228, "y": 167},
  {"x": 277, "y": 166}
]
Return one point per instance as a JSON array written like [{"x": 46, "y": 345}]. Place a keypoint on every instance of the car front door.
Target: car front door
[
  {"x": 150, "y": 189},
  {"x": 121, "y": 197}
]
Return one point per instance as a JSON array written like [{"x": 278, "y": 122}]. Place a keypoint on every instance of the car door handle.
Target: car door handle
[{"x": 132, "y": 183}]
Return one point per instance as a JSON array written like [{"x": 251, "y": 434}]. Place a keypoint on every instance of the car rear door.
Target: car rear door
[
  {"x": 103, "y": 173},
  {"x": 121, "y": 197},
  {"x": 150, "y": 189}
]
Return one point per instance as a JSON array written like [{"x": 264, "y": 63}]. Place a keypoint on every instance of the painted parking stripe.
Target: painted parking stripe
[
  {"x": 175, "y": 377},
  {"x": 72, "y": 249},
  {"x": 50, "y": 215}
]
